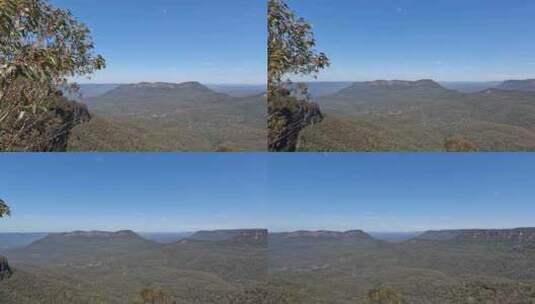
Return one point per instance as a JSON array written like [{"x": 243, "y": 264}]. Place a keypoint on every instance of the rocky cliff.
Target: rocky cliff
[
  {"x": 43, "y": 131},
  {"x": 66, "y": 115},
  {"x": 287, "y": 116},
  {"x": 5, "y": 270},
  {"x": 123, "y": 234}
]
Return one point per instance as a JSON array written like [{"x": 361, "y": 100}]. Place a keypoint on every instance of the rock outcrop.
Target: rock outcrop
[
  {"x": 66, "y": 115},
  {"x": 5, "y": 270},
  {"x": 287, "y": 116},
  {"x": 44, "y": 131}
]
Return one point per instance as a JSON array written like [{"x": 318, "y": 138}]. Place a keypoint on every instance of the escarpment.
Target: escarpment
[
  {"x": 287, "y": 117},
  {"x": 44, "y": 128},
  {"x": 5, "y": 270},
  {"x": 518, "y": 235},
  {"x": 65, "y": 115}
]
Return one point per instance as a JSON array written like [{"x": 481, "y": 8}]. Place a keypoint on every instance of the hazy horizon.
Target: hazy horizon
[
  {"x": 388, "y": 192},
  {"x": 269, "y": 230},
  {"x": 177, "y": 82},
  {"x": 308, "y": 81}
]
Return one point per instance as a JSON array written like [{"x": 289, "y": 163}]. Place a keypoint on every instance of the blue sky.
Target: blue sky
[
  {"x": 186, "y": 192},
  {"x": 446, "y": 40},
  {"x": 210, "y": 41}
]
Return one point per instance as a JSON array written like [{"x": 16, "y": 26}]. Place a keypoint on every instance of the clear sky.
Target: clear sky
[
  {"x": 186, "y": 192},
  {"x": 446, "y": 40},
  {"x": 210, "y": 41}
]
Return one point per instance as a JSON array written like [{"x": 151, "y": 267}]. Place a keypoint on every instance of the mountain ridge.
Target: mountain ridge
[
  {"x": 527, "y": 85},
  {"x": 233, "y": 235},
  {"x": 516, "y": 235}
]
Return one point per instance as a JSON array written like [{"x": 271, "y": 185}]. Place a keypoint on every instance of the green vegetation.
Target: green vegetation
[
  {"x": 290, "y": 52},
  {"x": 171, "y": 117},
  {"x": 422, "y": 116},
  {"x": 384, "y": 296},
  {"x": 40, "y": 48},
  {"x": 151, "y": 296},
  {"x": 301, "y": 267}
]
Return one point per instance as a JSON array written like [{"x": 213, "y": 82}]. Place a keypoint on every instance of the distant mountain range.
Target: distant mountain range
[
  {"x": 16, "y": 240},
  {"x": 422, "y": 116},
  {"x": 171, "y": 117},
  {"x": 325, "y": 88},
  {"x": 232, "y": 266},
  {"x": 515, "y": 234},
  {"x": 527, "y": 85},
  {"x": 519, "y": 235},
  {"x": 87, "y": 90}
]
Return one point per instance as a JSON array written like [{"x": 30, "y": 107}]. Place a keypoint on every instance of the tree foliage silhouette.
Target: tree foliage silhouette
[
  {"x": 41, "y": 47},
  {"x": 291, "y": 45},
  {"x": 291, "y": 51},
  {"x": 4, "y": 209}
]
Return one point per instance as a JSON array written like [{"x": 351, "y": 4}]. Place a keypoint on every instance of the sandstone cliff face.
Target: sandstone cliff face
[
  {"x": 287, "y": 116},
  {"x": 5, "y": 270},
  {"x": 66, "y": 115},
  {"x": 519, "y": 235},
  {"x": 123, "y": 234}
]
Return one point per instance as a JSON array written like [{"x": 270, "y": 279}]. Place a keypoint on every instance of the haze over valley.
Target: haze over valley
[
  {"x": 191, "y": 77},
  {"x": 267, "y": 228},
  {"x": 423, "y": 115},
  {"x": 236, "y": 266},
  {"x": 162, "y": 116},
  {"x": 453, "y": 76}
]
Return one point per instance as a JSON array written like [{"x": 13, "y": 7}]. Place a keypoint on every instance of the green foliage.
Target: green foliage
[
  {"x": 291, "y": 45},
  {"x": 40, "y": 48},
  {"x": 180, "y": 117},
  {"x": 291, "y": 51},
  {"x": 113, "y": 268},
  {"x": 422, "y": 116},
  {"x": 154, "y": 296},
  {"x": 4, "y": 209},
  {"x": 384, "y": 295}
]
